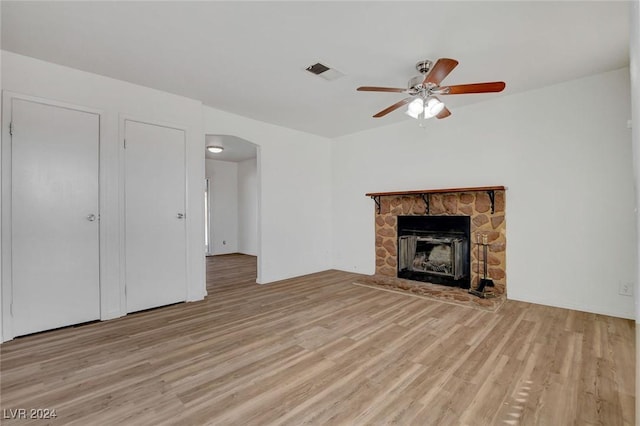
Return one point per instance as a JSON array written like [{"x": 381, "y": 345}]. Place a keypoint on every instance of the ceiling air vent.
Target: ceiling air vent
[
  {"x": 317, "y": 68},
  {"x": 324, "y": 71}
]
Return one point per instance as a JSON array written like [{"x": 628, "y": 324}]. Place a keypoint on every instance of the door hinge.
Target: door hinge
[
  {"x": 11, "y": 308},
  {"x": 11, "y": 128},
  {"x": 125, "y": 144}
]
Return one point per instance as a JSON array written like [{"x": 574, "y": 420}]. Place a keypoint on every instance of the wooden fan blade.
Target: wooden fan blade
[
  {"x": 393, "y": 107},
  {"x": 460, "y": 89},
  {"x": 444, "y": 113},
  {"x": 380, "y": 89},
  {"x": 440, "y": 70}
]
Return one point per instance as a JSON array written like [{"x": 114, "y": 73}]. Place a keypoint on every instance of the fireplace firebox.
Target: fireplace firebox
[{"x": 435, "y": 249}]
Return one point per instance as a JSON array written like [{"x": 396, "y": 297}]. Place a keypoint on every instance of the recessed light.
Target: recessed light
[{"x": 215, "y": 149}]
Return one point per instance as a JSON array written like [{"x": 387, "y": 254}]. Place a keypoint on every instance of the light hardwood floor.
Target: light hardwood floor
[{"x": 320, "y": 350}]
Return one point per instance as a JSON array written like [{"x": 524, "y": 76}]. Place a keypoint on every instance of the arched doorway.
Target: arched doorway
[{"x": 231, "y": 200}]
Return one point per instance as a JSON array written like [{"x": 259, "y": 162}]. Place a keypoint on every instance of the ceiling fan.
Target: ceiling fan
[{"x": 422, "y": 91}]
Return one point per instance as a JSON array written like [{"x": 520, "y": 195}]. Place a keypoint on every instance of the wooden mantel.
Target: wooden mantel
[{"x": 424, "y": 193}]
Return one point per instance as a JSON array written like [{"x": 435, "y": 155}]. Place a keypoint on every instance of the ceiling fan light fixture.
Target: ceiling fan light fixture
[
  {"x": 428, "y": 84},
  {"x": 433, "y": 107},
  {"x": 215, "y": 149},
  {"x": 415, "y": 108}
]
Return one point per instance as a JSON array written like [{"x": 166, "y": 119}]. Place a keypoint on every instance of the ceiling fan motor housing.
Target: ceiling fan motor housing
[
  {"x": 416, "y": 82},
  {"x": 423, "y": 67}
]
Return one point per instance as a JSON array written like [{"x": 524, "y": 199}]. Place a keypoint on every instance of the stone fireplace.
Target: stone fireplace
[{"x": 444, "y": 253}]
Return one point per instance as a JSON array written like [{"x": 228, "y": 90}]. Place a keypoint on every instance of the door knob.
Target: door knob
[
  {"x": 91, "y": 217},
  {"x": 180, "y": 215}
]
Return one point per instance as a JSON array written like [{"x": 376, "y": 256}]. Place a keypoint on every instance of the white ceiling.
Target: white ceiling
[
  {"x": 235, "y": 149},
  {"x": 249, "y": 58}
]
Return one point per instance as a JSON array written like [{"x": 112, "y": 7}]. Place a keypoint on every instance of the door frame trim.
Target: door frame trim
[
  {"x": 6, "y": 285},
  {"x": 122, "y": 119}
]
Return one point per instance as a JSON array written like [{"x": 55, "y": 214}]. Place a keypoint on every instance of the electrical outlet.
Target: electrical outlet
[{"x": 626, "y": 289}]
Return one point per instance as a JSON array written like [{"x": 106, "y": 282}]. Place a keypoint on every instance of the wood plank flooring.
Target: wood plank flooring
[{"x": 319, "y": 350}]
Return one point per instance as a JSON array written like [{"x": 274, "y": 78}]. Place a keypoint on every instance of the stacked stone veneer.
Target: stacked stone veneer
[{"x": 476, "y": 204}]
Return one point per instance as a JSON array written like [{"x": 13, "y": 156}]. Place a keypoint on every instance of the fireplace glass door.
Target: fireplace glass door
[{"x": 434, "y": 249}]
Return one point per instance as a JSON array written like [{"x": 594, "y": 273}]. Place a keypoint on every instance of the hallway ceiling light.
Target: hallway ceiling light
[{"x": 215, "y": 149}]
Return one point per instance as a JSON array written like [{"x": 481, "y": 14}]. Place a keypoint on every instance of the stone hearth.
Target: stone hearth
[
  {"x": 442, "y": 293},
  {"x": 474, "y": 203}
]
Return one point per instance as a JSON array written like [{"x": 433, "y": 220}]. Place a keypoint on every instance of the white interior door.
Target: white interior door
[
  {"x": 54, "y": 216},
  {"x": 155, "y": 231}
]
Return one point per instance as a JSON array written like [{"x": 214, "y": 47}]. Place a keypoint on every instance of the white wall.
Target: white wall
[
  {"x": 294, "y": 228},
  {"x": 234, "y": 215},
  {"x": 223, "y": 198},
  {"x": 116, "y": 98},
  {"x": 564, "y": 152},
  {"x": 1, "y": 133},
  {"x": 248, "y": 207},
  {"x": 634, "y": 53}
]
